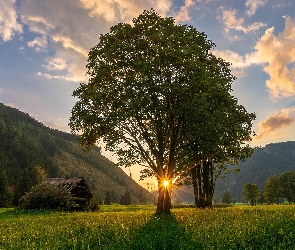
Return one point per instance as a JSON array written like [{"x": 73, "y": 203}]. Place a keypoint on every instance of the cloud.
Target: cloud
[
  {"x": 237, "y": 60},
  {"x": 8, "y": 20},
  {"x": 39, "y": 43},
  {"x": 183, "y": 14},
  {"x": 55, "y": 124},
  {"x": 231, "y": 22},
  {"x": 278, "y": 53},
  {"x": 253, "y": 5},
  {"x": 67, "y": 43},
  {"x": 272, "y": 125},
  {"x": 123, "y": 10},
  {"x": 73, "y": 27},
  {"x": 38, "y": 24}
]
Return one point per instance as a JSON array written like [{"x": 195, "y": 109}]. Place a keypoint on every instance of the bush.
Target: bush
[
  {"x": 94, "y": 205},
  {"x": 47, "y": 196}
]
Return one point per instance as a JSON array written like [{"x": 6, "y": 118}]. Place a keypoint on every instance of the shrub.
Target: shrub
[
  {"x": 47, "y": 196},
  {"x": 94, "y": 205}
]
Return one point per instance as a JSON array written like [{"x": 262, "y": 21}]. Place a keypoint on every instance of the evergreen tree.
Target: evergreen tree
[
  {"x": 107, "y": 200},
  {"x": 226, "y": 198},
  {"x": 114, "y": 196},
  {"x": 126, "y": 198},
  {"x": 142, "y": 197}
]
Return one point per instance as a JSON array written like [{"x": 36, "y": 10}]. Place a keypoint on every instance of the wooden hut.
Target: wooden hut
[{"x": 77, "y": 186}]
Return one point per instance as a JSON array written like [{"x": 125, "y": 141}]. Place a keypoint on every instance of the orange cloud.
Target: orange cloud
[
  {"x": 272, "y": 125},
  {"x": 279, "y": 54},
  {"x": 123, "y": 10},
  {"x": 183, "y": 15}
]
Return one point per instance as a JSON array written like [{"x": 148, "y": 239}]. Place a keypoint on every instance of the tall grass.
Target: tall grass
[{"x": 263, "y": 227}]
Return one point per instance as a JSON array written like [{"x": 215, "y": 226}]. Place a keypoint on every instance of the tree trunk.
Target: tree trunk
[
  {"x": 195, "y": 184},
  {"x": 206, "y": 183},
  {"x": 211, "y": 183},
  {"x": 252, "y": 202},
  {"x": 164, "y": 199},
  {"x": 201, "y": 191},
  {"x": 203, "y": 184}
]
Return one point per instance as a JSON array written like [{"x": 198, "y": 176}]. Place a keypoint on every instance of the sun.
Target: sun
[{"x": 166, "y": 183}]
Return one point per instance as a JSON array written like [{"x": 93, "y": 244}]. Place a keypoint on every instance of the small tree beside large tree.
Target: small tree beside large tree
[{"x": 157, "y": 97}]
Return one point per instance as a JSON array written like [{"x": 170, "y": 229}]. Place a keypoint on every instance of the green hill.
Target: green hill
[
  {"x": 26, "y": 143},
  {"x": 273, "y": 159}
]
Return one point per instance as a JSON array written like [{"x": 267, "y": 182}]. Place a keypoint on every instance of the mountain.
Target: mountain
[
  {"x": 27, "y": 145},
  {"x": 25, "y": 142},
  {"x": 273, "y": 159}
]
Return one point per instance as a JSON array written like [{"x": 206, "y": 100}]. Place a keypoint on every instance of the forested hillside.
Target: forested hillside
[
  {"x": 29, "y": 151},
  {"x": 273, "y": 159}
]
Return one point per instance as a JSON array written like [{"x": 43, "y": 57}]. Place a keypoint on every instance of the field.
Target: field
[{"x": 137, "y": 227}]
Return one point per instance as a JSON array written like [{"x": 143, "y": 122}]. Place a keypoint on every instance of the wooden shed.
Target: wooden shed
[{"x": 77, "y": 186}]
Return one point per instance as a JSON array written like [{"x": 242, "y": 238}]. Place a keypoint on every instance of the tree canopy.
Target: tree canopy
[
  {"x": 251, "y": 193},
  {"x": 158, "y": 97}
]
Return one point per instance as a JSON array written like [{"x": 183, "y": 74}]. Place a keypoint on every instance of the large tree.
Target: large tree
[{"x": 159, "y": 98}]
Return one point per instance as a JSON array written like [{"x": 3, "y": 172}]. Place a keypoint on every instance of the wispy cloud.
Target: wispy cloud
[
  {"x": 231, "y": 22},
  {"x": 39, "y": 43},
  {"x": 8, "y": 20},
  {"x": 271, "y": 127},
  {"x": 183, "y": 14},
  {"x": 237, "y": 60},
  {"x": 253, "y": 5},
  {"x": 67, "y": 43},
  {"x": 38, "y": 24}
]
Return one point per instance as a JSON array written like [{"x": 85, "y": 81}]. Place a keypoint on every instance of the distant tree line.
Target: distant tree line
[
  {"x": 276, "y": 190},
  {"x": 280, "y": 187},
  {"x": 125, "y": 199}
]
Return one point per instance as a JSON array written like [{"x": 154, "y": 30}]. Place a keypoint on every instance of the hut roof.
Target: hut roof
[{"x": 68, "y": 183}]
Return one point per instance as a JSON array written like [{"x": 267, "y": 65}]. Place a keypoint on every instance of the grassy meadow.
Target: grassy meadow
[{"x": 137, "y": 227}]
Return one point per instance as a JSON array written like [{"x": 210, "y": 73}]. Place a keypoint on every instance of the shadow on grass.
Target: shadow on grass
[{"x": 163, "y": 232}]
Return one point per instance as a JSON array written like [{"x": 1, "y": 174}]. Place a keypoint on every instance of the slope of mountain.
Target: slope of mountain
[
  {"x": 25, "y": 142},
  {"x": 273, "y": 159}
]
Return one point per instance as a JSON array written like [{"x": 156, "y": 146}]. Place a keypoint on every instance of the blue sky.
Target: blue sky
[{"x": 44, "y": 46}]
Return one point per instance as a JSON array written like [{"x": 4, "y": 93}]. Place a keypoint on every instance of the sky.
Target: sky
[{"x": 44, "y": 46}]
